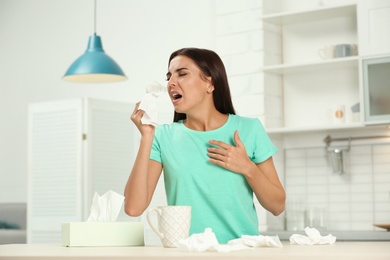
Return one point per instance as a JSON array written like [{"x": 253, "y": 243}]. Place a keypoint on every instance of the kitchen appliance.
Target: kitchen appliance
[{"x": 376, "y": 88}]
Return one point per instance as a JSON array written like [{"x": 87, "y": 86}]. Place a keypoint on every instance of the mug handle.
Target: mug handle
[
  {"x": 155, "y": 229},
  {"x": 321, "y": 53}
]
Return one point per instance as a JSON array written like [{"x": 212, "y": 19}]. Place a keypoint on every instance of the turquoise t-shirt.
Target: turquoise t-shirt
[{"x": 220, "y": 199}]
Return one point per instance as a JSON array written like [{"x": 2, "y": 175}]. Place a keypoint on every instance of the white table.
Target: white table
[{"x": 339, "y": 250}]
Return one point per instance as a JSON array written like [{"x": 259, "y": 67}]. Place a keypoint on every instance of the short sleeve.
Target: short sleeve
[
  {"x": 264, "y": 148},
  {"x": 155, "y": 152}
]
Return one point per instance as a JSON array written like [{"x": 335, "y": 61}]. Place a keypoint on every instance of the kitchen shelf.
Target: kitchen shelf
[
  {"x": 296, "y": 67},
  {"x": 311, "y": 14},
  {"x": 337, "y": 63},
  {"x": 290, "y": 130},
  {"x": 340, "y": 127}
]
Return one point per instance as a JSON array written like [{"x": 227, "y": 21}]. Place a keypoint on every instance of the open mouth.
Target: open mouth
[{"x": 176, "y": 96}]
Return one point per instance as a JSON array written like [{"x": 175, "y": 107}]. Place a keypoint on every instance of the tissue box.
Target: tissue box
[{"x": 103, "y": 234}]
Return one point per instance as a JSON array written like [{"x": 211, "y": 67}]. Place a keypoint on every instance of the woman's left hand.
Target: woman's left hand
[
  {"x": 262, "y": 177},
  {"x": 233, "y": 158}
]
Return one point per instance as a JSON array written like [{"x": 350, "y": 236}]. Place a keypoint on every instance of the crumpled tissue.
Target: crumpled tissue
[
  {"x": 257, "y": 241},
  {"x": 313, "y": 238},
  {"x": 207, "y": 241},
  {"x": 149, "y": 103},
  {"x": 105, "y": 208}
]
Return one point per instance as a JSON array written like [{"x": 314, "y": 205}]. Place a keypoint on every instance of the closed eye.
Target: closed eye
[{"x": 179, "y": 72}]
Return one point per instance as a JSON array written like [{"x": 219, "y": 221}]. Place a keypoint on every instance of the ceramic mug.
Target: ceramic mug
[
  {"x": 173, "y": 223},
  {"x": 326, "y": 52},
  {"x": 345, "y": 50},
  {"x": 337, "y": 114}
]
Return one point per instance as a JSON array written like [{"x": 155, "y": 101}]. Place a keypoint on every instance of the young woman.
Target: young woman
[{"x": 213, "y": 160}]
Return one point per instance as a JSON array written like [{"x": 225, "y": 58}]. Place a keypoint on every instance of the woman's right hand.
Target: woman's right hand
[{"x": 136, "y": 118}]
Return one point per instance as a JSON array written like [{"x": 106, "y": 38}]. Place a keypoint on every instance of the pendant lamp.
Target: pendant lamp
[{"x": 94, "y": 66}]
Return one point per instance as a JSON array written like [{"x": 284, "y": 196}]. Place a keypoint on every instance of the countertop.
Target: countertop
[
  {"x": 339, "y": 250},
  {"x": 341, "y": 235}
]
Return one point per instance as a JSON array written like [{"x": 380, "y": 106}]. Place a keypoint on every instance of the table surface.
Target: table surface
[{"x": 339, "y": 250}]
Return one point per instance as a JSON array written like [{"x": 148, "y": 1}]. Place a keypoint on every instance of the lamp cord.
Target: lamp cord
[{"x": 94, "y": 17}]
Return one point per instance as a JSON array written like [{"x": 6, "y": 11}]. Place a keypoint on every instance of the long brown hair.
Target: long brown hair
[{"x": 211, "y": 65}]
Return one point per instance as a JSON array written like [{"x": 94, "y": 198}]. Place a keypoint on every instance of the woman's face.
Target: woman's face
[{"x": 188, "y": 90}]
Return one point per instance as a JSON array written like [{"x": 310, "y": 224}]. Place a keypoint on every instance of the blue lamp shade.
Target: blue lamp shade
[{"x": 94, "y": 66}]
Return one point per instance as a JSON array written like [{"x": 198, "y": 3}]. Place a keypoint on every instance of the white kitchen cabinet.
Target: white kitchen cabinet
[
  {"x": 374, "y": 23},
  {"x": 374, "y": 37},
  {"x": 75, "y": 147},
  {"x": 312, "y": 86}
]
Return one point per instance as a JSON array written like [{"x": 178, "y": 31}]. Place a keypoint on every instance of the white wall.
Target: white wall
[{"x": 39, "y": 39}]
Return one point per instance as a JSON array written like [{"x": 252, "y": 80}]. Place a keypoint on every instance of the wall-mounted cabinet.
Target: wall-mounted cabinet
[{"x": 313, "y": 86}]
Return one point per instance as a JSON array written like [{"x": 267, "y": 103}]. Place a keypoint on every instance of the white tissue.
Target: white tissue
[
  {"x": 257, "y": 241},
  {"x": 149, "y": 103},
  {"x": 313, "y": 238},
  {"x": 199, "y": 242},
  {"x": 105, "y": 208},
  {"x": 207, "y": 241}
]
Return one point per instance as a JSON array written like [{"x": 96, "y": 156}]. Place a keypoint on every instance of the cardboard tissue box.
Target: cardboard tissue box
[
  {"x": 101, "y": 228},
  {"x": 102, "y": 234}
]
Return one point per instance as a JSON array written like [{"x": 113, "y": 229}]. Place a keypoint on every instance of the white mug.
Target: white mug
[
  {"x": 337, "y": 114},
  {"x": 174, "y": 223},
  {"x": 326, "y": 52}
]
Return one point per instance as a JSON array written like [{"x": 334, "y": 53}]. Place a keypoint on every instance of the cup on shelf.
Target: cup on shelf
[
  {"x": 345, "y": 50},
  {"x": 327, "y": 52},
  {"x": 355, "y": 112},
  {"x": 337, "y": 114}
]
